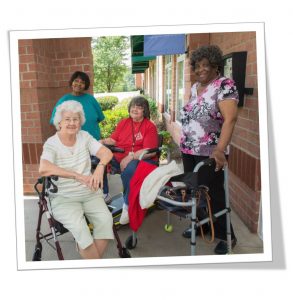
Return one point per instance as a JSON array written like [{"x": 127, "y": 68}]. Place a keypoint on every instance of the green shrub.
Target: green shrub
[
  {"x": 107, "y": 102},
  {"x": 167, "y": 144},
  {"x": 167, "y": 138},
  {"x": 112, "y": 117},
  {"x": 123, "y": 104},
  {"x": 153, "y": 108}
]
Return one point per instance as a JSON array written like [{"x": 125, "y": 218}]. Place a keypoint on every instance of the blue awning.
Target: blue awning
[{"x": 165, "y": 44}]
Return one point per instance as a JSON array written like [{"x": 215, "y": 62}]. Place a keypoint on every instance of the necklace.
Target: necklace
[{"x": 135, "y": 133}]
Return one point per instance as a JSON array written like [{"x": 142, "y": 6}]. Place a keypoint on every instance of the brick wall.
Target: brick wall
[
  {"x": 139, "y": 81},
  {"x": 45, "y": 67}
]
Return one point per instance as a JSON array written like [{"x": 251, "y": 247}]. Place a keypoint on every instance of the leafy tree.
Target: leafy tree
[
  {"x": 129, "y": 81},
  {"x": 109, "y": 55}
]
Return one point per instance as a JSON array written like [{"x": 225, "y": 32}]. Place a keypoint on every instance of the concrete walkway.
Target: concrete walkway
[{"x": 153, "y": 240}]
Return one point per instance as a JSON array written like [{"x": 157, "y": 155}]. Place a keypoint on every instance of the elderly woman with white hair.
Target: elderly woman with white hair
[{"x": 66, "y": 154}]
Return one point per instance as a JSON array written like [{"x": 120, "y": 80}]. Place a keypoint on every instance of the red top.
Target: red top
[{"x": 133, "y": 136}]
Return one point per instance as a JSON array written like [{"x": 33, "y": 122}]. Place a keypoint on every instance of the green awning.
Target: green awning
[
  {"x": 139, "y": 67},
  {"x": 139, "y": 62},
  {"x": 135, "y": 59},
  {"x": 136, "y": 71},
  {"x": 136, "y": 42}
]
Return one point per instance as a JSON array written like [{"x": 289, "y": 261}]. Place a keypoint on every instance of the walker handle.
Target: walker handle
[
  {"x": 114, "y": 149},
  {"x": 51, "y": 186},
  {"x": 148, "y": 151},
  {"x": 152, "y": 150},
  {"x": 209, "y": 162}
]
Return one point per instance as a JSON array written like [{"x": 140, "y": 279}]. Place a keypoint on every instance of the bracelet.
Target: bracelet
[{"x": 100, "y": 164}]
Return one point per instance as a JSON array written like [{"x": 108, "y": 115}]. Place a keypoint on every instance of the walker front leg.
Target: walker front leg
[
  {"x": 193, "y": 226},
  {"x": 228, "y": 216}
]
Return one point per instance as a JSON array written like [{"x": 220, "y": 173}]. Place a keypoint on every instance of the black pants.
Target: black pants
[{"x": 215, "y": 182}]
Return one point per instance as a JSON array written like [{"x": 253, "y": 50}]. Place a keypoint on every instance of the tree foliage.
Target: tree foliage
[{"x": 109, "y": 55}]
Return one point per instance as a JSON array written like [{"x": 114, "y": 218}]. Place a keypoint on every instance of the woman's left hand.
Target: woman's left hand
[
  {"x": 96, "y": 180},
  {"x": 125, "y": 161},
  {"x": 220, "y": 159}
]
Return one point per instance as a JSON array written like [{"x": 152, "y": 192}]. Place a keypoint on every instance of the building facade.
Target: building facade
[{"x": 168, "y": 80}]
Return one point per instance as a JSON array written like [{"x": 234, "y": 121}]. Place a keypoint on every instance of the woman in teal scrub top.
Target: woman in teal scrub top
[{"x": 80, "y": 83}]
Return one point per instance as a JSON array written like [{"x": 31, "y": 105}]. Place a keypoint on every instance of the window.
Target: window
[
  {"x": 179, "y": 85},
  {"x": 168, "y": 82},
  {"x": 153, "y": 80}
]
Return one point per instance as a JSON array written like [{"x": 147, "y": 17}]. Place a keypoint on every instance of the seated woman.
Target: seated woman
[
  {"x": 66, "y": 154},
  {"x": 134, "y": 134}
]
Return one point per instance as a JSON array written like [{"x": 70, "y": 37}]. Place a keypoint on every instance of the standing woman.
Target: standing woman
[
  {"x": 80, "y": 83},
  {"x": 208, "y": 120}
]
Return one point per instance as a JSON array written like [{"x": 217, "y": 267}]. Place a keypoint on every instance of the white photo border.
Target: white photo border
[{"x": 15, "y": 36}]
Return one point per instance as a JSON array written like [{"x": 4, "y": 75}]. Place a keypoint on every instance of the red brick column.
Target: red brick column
[
  {"x": 45, "y": 67},
  {"x": 139, "y": 81},
  {"x": 244, "y": 160}
]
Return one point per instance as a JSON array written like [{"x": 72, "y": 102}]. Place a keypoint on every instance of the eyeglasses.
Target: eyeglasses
[
  {"x": 136, "y": 107},
  {"x": 73, "y": 120}
]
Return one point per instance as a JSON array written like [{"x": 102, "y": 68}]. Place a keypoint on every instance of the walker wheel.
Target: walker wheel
[
  {"x": 168, "y": 228},
  {"x": 38, "y": 252},
  {"x": 129, "y": 242},
  {"x": 124, "y": 253}
]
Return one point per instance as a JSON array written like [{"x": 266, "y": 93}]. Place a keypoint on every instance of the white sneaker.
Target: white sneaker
[
  {"x": 124, "y": 218},
  {"x": 107, "y": 198}
]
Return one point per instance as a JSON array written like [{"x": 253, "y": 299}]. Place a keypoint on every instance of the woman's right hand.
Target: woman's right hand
[
  {"x": 84, "y": 179},
  {"x": 220, "y": 159}
]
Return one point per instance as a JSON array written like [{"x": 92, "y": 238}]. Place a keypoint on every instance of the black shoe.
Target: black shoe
[
  {"x": 222, "y": 247},
  {"x": 187, "y": 232}
]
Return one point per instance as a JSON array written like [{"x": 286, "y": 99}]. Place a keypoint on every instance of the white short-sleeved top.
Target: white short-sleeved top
[{"x": 76, "y": 158}]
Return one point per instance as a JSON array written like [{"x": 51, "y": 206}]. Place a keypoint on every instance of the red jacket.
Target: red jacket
[{"x": 136, "y": 213}]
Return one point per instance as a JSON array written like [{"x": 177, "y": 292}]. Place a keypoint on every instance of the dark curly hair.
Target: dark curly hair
[
  {"x": 142, "y": 102},
  {"x": 83, "y": 76},
  {"x": 211, "y": 52}
]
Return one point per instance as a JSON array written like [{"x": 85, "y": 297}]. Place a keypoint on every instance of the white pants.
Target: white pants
[{"x": 71, "y": 213}]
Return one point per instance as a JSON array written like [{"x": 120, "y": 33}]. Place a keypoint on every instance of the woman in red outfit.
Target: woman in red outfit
[{"x": 133, "y": 134}]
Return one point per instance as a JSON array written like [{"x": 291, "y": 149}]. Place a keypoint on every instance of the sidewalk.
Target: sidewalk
[
  {"x": 153, "y": 240},
  {"x": 120, "y": 96}
]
